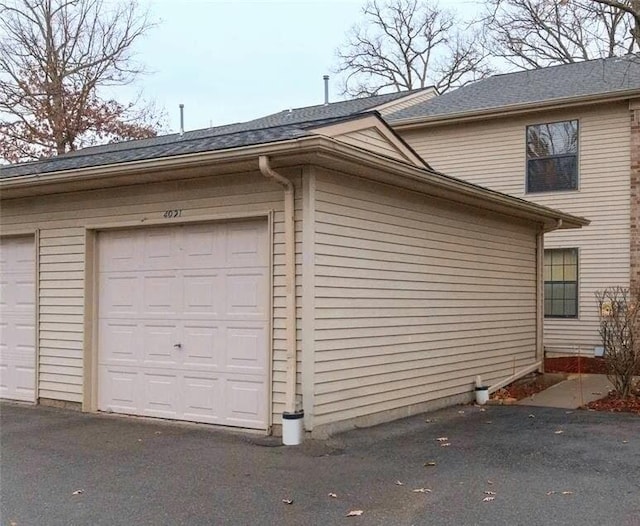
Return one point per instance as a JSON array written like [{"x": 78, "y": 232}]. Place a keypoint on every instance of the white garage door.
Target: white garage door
[
  {"x": 17, "y": 319},
  {"x": 183, "y": 323}
]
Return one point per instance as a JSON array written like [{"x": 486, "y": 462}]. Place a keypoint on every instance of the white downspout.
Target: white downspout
[{"x": 291, "y": 419}]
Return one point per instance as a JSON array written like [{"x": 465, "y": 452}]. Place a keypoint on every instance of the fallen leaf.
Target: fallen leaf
[
  {"x": 422, "y": 490},
  {"x": 489, "y": 492},
  {"x": 550, "y": 492},
  {"x": 430, "y": 420},
  {"x": 445, "y": 444},
  {"x": 398, "y": 483},
  {"x": 158, "y": 432},
  {"x": 429, "y": 464},
  {"x": 567, "y": 492},
  {"x": 488, "y": 499},
  {"x": 489, "y": 422},
  {"x": 442, "y": 439},
  {"x": 625, "y": 441},
  {"x": 355, "y": 513},
  {"x": 558, "y": 432},
  {"x": 287, "y": 501},
  {"x": 139, "y": 440},
  {"x": 333, "y": 495},
  {"x": 568, "y": 412},
  {"x": 532, "y": 416},
  {"x": 461, "y": 412},
  {"x": 78, "y": 492},
  {"x": 482, "y": 409}
]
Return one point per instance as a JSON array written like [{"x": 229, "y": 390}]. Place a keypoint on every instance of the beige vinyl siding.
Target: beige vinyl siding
[
  {"x": 405, "y": 102},
  {"x": 492, "y": 153},
  {"x": 371, "y": 139},
  {"x": 414, "y": 297},
  {"x": 62, "y": 219},
  {"x": 61, "y": 312}
]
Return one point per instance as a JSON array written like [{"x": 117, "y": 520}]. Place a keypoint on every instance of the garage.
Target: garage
[
  {"x": 17, "y": 315},
  {"x": 183, "y": 322}
]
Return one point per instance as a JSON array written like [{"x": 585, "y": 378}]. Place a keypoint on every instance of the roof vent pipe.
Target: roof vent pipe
[
  {"x": 181, "y": 120},
  {"x": 326, "y": 89}
]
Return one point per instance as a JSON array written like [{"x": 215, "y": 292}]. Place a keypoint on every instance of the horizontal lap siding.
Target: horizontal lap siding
[
  {"x": 414, "y": 298},
  {"x": 61, "y": 309},
  {"x": 492, "y": 153},
  {"x": 62, "y": 219},
  {"x": 371, "y": 139}
]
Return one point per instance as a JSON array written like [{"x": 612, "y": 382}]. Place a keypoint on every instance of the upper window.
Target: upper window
[
  {"x": 561, "y": 283},
  {"x": 552, "y": 157}
]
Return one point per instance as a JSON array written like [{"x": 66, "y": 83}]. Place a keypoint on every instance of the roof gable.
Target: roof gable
[{"x": 372, "y": 134}]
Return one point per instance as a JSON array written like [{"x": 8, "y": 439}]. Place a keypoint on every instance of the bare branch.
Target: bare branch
[
  {"x": 55, "y": 58},
  {"x": 407, "y": 44},
  {"x": 541, "y": 33}
]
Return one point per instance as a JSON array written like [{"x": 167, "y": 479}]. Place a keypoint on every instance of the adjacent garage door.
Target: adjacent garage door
[
  {"x": 17, "y": 319},
  {"x": 183, "y": 323}
]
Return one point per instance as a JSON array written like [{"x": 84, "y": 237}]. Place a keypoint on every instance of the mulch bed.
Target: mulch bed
[
  {"x": 614, "y": 404},
  {"x": 526, "y": 386},
  {"x": 575, "y": 364}
]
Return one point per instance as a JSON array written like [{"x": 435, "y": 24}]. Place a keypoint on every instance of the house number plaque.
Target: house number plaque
[{"x": 172, "y": 214}]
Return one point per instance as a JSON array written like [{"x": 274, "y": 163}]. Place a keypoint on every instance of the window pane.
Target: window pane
[
  {"x": 552, "y": 173},
  {"x": 555, "y": 138},
  {"x": 558, "y": 291},
  {"x": 571, "y": 273},
  {"x": 557, "y": 308},
  {"x": 561, "y": 282},
  {"x": 569, "y": 307}
]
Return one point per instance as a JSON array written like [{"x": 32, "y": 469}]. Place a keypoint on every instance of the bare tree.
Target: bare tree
[
  {"x": 620, "y": 331},
  {"x": 56, "y": 58},
  {"x": 541, "y": 33},
  {"x": 407, "y": 44}
]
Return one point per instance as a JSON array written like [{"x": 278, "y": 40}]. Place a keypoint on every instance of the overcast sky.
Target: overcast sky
[{"x": 236, "y": 60}]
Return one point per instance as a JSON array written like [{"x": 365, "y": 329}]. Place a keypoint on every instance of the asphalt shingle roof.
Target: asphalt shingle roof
[
  {"x": 580, "y": 79},
  {"x": 284, "y": 125}
]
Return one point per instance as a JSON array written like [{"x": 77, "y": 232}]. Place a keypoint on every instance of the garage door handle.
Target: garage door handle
[{"x": 177, "y": 346}]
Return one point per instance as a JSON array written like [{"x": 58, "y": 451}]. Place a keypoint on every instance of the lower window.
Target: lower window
[{"x": 561, "y": 283}]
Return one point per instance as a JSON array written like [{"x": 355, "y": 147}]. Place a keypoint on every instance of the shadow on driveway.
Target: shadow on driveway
[{"x": 542, "y": 466}]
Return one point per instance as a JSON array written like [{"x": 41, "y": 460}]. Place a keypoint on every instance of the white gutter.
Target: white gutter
[{"x": 291, "y": 419}]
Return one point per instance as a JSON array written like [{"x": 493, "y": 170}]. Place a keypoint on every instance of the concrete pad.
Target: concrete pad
[{"x": 576, "y": 391}]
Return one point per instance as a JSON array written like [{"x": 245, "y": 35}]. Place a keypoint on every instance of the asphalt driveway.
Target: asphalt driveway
[{"x": 535, "y": 466}]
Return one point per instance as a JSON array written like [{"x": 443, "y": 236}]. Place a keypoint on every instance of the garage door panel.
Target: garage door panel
[
  {"x": 201, "y": 247},
  {"x": 119, "y": 390},
  {"x": 17, "y": 319},
  {"x": 17, "y": 294},
  {"x": 203, "y": 346},
  {"x": 161, "y": 294},
  {"x": 160, "y": 251},
  {"x": 245, "y": 245},
  {"x": 120, "y": 294},
  {"x": 160, "y": 395},
  {"x": 119, "y": 252},
  {"x": 158, "y": 344},
  {"x": 203, "y": 398},
  {"x": 119, "y": 342},
  {"x": 204, "y": 293},
  {"x": 190, "y": 326},
  {"x": 246, "y": 294},
  {"x": 245, "y": 348},
  {"x": 246, "y": 404},
  {"x": 17, "y": 254}
]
